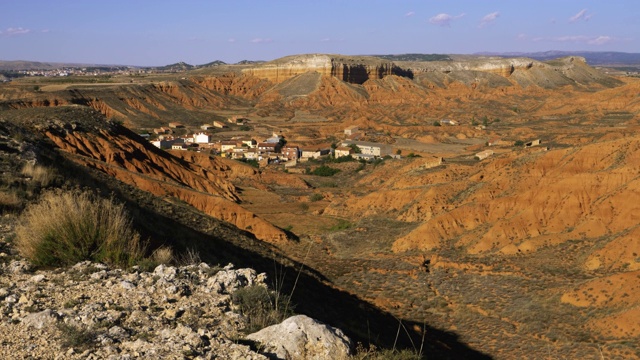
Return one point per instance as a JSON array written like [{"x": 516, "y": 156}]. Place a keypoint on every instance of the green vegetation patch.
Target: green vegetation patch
[{"x": 325, "y": 171}]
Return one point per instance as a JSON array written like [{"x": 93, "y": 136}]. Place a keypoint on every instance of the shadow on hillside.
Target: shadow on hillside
[{"x": 217, "y": 242}]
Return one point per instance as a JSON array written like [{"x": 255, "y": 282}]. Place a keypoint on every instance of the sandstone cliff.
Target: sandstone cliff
[{"x": 354, "y": 70}]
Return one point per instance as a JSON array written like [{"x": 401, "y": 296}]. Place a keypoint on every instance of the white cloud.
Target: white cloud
[
  {"x": 444, "y": 19},
  {"x": 410, "y": 13},
  {"x": 261, "y": 40},
  {"x": 231, "y": 40},
  {"x": 521, "y": 36},
  {"x": 16, "y": 31},
  {"x": 583, "y": 39},
  {"x": 571, "y": 38},
  {"x": 600, "y": 40},
  {"x": 581, "y": 15},
  {"x": 489, "y": 18}
]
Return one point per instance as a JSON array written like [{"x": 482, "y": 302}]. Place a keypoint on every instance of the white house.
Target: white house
[
  {"x": 368, "y": 148},
  {"x": 341, "y": 151},
  {"x": 201, "y": 138}
]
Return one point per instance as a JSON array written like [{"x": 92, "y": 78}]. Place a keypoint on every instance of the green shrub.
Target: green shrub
[
  {"x": 75, "y": 337},
  {"x": 343, "y": 159},
  {"x": 251, "y": 162},
  {"x": 261, "y": 306},
  {"x": 325, "y": 171},
  {"x": 315, "y": 197},
  {"x": 341, "y": 225},
  {"x": 65, "y": 228}
]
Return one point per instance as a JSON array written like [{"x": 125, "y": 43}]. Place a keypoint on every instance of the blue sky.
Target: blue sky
[{"x": 160, "y": 32}]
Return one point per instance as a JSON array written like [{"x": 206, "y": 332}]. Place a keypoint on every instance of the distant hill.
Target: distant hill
[
  {"x": 17, "y": 65},
  {"x": 592, "y": 57},
  {"x": 415, "y": 57},
  {"x": 249, "y": 62},
  {"x": 179, "y": 66},
  {"x": 213, "y": 63}
]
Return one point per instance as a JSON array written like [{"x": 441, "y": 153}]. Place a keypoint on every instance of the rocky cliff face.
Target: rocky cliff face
[{"x": 355, "y": 70}]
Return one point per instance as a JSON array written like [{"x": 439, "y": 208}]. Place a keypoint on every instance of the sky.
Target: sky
[{"x": 161, "y": 32}]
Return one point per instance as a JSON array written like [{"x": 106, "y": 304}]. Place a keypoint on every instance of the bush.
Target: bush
[
  {"x": 40, "y": 174},
  {"x": 341, "y": 225},
  {"x": 373, "y": 353},
  {"x": 251, "y": 162},
  {"x": 75, "y": 337},
  {"x": 10, "y": 202},
  {"x": 65, "y": 228},
  {"x": 343, "y": 159},
  {"x": 261, "y": 306},
  {"x": 324, "y": 171},
  {"x": 315, "y": 197}
]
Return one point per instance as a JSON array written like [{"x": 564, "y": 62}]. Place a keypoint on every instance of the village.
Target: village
[{"x": 264, "y": 151}]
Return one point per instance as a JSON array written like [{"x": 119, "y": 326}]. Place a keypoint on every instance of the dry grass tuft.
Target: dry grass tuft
[
  {"x": 10, "y": 202},
  {"x": 68, "y": 227},
  {"x": 162, "y": 255},
  {"x": 39, "y": 173}
]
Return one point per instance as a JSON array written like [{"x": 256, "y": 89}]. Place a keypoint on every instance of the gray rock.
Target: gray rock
[
  {"x": 127, "y": 285},
  {"x": 166, "y": 272},
  {"x": 19, "y": 267},
  {"x": 228, "y": 281},
  {"x": 40, "y": 319},
  {"x": 102, "y": 274},
  {"x": 301, "y": 337},
  {"x": 37, "y": 278}
]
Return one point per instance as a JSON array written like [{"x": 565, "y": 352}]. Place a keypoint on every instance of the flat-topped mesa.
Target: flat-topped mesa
[
  {"x": 352, "y": 69},
  {"x": 500, "y": 66}
]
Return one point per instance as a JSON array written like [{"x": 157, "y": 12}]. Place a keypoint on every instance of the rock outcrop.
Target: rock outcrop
[
  {"x": 303, "y": 338},
  {"x": 91, "y": 311}
]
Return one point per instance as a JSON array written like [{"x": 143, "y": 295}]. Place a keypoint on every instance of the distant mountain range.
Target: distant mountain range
[
  {"x": 20, "y": 65},
  {"x": 593, "y": 57}
]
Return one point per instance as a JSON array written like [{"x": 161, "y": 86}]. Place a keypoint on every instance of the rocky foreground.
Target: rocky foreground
[{"x": 90, "y": 311}]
